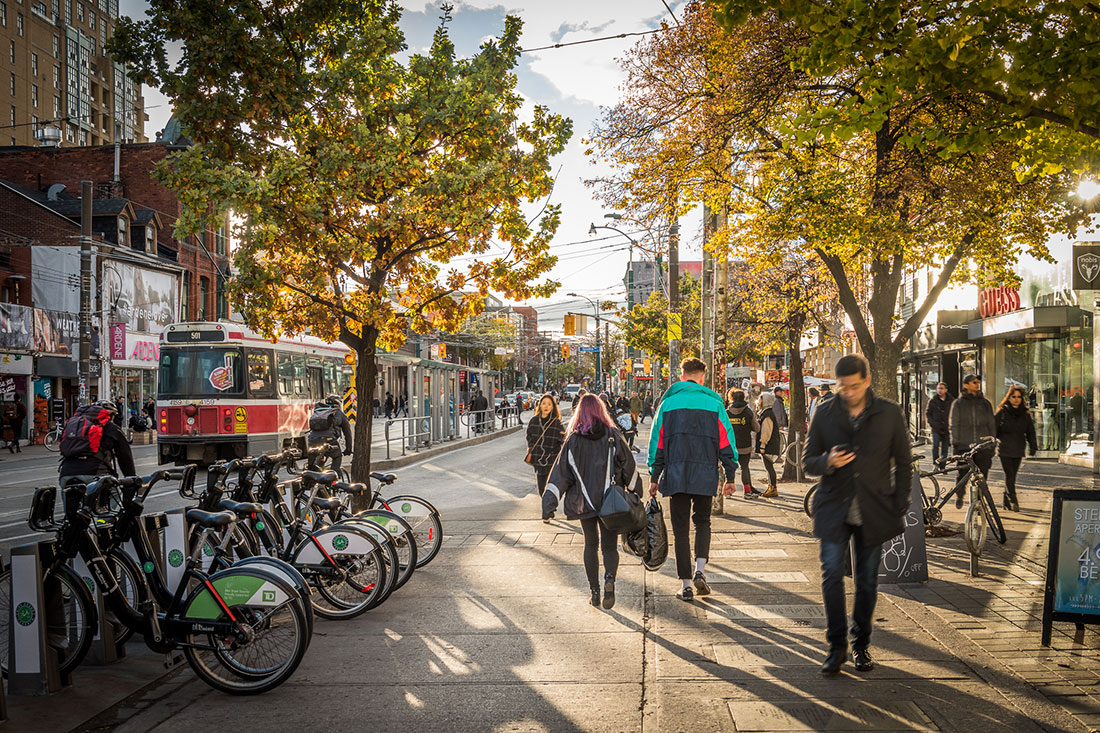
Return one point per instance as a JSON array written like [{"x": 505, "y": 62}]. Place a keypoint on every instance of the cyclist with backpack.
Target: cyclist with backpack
[
  {"x": 92, "y": 443},
  {"x": 326, "y": 424}
]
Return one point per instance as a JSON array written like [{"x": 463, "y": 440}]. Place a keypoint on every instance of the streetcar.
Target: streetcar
[{"x": 224, "y": 391}]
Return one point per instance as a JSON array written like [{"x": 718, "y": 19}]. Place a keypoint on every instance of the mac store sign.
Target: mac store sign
[{"x": 952, "y": 327}]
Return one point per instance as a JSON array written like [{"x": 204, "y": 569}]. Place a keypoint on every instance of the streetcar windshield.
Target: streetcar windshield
[{"x": 200, "y": 371}]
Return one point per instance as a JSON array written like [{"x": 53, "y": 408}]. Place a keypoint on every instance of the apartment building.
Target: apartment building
[{"x": 55, "y": 72}]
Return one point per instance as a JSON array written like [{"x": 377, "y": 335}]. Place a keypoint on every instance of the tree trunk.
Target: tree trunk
[
  {"x": 366, "y": 376},
  {"x": 796, "y": 416},
  {"x": 884, "y": 370}
]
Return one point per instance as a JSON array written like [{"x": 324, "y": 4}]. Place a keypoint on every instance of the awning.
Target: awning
[
  {"x": 1029, "y": 320},
  {"x": 55, "y": 366}
]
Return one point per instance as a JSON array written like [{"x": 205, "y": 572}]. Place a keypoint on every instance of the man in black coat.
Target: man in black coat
[
  {"x": 859, "y": 445},
  {"x": 938, "y": 414}
]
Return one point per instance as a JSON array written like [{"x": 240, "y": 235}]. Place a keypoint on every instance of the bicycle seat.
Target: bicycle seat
[
  {"x": 350, "y": 488},
  {"x": 327, "y": 478},
  {"x": 240, "y": 508},
  {"x": 210, "y": 520},
  {"x": 386, "y": 478},
  {"x": 327, "y": 504}
]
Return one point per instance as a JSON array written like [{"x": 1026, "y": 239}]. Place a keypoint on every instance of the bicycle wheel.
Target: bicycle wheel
[
  {"x": 356, "y": 570},
  {"x": 989, "y": 509},
  {"x": 71, "y": 633},
  {"x": 276, "y": 638},
  {"x": 401, "y": 534},
  {"x": 975, "y": 529},
  {"x": 51, "y": 441},
  {"x": 130, "y": 581},
  {"x": 807, "y": 502},
  {"x": 389, "y": 551},
  {"x": 427, "y": 528}
]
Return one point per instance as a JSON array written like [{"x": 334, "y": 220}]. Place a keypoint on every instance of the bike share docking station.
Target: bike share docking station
[{"x": 33, "y": 653}]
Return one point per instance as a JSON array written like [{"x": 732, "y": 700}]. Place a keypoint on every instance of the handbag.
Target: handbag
[
  {"x": 528, "y": 458},
  {"x": 621, "y": 510}
]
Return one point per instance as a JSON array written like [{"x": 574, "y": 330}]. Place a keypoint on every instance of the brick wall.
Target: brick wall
[{"x": 39, "y": 168}]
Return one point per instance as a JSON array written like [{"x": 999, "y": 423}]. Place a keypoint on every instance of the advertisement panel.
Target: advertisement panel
[
  {"x": 145, "y": 300},
  {"x": 15, "y": 326},
  {"x": 1072, "y": 589}
]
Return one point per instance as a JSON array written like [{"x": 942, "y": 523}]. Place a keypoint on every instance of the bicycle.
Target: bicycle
[
  {"x": 982, "y": 513},
  {"x": 345, "y": 566},
  {"x": 52, "y": 439},
  {"x": 243, "y": 630}
]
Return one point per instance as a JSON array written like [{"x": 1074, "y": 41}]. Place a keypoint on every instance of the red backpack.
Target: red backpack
[{"x": 83, "y": 433}]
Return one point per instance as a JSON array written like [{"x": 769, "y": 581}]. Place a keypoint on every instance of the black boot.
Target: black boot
[
  {"x": 595, "y": 597},
  {"x": 1011, "y": 503},
  {"x": 608, "y": 591}
]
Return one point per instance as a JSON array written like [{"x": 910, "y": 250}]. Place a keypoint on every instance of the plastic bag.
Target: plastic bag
[
  {"x": 656, "y": 536},
  {"x": 650, "y": 543}
]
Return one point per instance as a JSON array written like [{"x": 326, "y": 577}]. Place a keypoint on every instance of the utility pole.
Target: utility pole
[
  {"x": 673, "y": 292},
  {"x": 706, "y": 296},
  {"x": 721, "y": 314},
  {"x": 85, "y": 289}
]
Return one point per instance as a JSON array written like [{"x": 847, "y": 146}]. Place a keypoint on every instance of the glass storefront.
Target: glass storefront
[
  {"x": 1056, "y": 371},
  {"x": 133, "y": 385}
]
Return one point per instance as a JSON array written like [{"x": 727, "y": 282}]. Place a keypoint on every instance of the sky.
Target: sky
[{"x": 574, "y": 81}]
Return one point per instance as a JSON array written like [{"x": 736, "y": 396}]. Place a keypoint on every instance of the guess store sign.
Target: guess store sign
[{"x": 995, "y": 301}]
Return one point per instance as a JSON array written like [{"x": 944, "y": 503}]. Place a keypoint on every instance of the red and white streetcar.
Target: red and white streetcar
[{"x": 226, "y": 391}]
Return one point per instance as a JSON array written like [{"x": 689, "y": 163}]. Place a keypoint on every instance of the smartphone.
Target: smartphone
[{"x": 845, "y": 448}]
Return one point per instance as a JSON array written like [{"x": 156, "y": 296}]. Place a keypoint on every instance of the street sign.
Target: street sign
[
  {"x": 590, "y": 349},
  {"x": 675, "y": 327}
]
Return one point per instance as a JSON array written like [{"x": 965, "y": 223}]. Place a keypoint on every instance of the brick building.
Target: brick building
[
  {"x": 143, "y": 278},
  {"x": 55, "y": 72}
]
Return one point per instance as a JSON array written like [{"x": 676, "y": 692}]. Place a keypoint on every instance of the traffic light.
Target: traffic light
[
  {"x": 349, "y": 358},
  {"x": 565, "y": 351},
  {"x": 442, "y": 352},
  {"x": 645, "y": 366},
  {"x": 570, "y": 325},
  {"x": 629, "y": 365}
]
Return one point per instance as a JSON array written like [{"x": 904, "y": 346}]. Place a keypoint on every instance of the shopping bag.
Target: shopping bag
[{"x": 656, "y": 536}]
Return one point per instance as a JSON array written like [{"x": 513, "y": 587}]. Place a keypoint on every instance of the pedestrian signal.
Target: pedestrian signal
[
  {"x": 570, "y": 325},
  {"x": 349, "y": 358}
]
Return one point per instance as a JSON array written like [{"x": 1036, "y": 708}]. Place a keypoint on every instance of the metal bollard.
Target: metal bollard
[{"x": 32, "y": 663}]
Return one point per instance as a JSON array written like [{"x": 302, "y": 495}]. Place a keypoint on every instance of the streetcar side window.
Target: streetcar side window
[
  {"x": 286, "y": 375},
  {"x": 332, "y": 386},
  {"x": 300, "y": 387},
  {"x": 261, "y": 382}
]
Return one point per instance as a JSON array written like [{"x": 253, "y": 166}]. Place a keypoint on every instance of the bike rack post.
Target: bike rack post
[
  {"x": 32, "y": 662},
  {"x": 974, "y": 571},
  {"x": 176, "y": 550},
  {"x": 104, "y": 650}
]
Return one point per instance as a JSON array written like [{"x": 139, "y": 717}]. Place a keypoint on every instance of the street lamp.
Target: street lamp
[
  {"x": 599, "y": 349},
  {"x": 630, "y": 268}
]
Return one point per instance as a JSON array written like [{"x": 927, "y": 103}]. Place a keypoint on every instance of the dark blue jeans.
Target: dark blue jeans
[
  {"x": 941, "y": 445},
  {"x": 832, "y": 589}
]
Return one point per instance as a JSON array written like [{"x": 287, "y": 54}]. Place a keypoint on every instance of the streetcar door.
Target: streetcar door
[{"x": 316, "y": 385}]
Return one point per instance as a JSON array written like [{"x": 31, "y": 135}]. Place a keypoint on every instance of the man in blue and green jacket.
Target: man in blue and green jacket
[{"x": 691, "y": 435}]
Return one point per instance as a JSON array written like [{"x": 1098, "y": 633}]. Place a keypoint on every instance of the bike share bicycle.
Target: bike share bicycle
[{"x": 243, "y": 629}]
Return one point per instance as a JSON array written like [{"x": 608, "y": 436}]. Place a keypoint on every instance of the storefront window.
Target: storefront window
[
  {"x": 968, "y": 364},
  {"x": 1057, "y": 374}
]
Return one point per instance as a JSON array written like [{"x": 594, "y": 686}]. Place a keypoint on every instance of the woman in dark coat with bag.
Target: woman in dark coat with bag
[
  {"x": 545, "y": 434},
  {"x": 1014, "y": 428},
  {"x": 593, "y": 456}
]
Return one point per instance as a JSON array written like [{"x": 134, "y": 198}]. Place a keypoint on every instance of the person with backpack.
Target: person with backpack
[
  {"x": 745, "y": 426},
  {"x": 92, "y": 443},
  {"x": 326, "y": 424},
  {"x": 767, "y": 441},
  {"x": 593, "y": 457}
]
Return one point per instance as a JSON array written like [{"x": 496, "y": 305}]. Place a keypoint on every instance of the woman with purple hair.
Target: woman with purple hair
[{"x": 593, "y": 456}]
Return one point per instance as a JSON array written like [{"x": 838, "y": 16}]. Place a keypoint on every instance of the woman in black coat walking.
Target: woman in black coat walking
[
  {"x": 545, "y": 434},
  {"x": 1014, "y": 428},
  {"x": 593, "y": 455}
]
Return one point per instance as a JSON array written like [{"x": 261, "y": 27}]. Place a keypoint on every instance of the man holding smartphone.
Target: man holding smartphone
[{"x": 859, "y": 445}]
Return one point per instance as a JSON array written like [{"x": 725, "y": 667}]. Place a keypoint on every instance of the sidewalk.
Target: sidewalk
[{"x": 497, "y": 634}]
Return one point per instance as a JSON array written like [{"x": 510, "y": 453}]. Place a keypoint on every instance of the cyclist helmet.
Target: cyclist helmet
[{"x": 107, "y": 405}]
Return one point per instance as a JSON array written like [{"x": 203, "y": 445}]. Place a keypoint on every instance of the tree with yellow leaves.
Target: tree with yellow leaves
[{"x": 359, "y": 172}]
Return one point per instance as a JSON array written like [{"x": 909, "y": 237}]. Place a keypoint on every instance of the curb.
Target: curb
[{"x": 402, "y": 461}]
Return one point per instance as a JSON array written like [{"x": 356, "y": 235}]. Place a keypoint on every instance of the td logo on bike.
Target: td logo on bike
[
  {"x": 340, "y": 542},
  {"x": 24, "y": 614}
]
